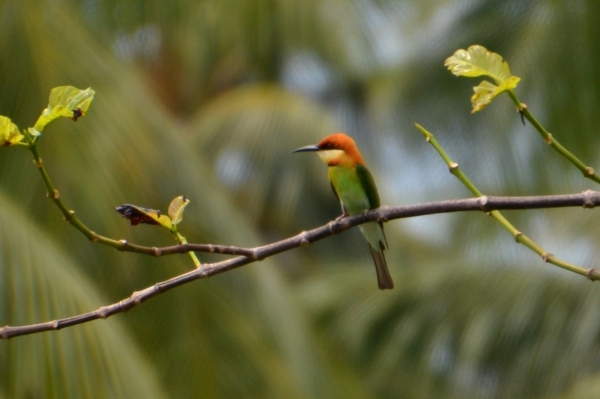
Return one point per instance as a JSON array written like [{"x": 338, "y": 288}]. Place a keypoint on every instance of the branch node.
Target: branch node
[
  {"x": 54, "y": 195},
  {"x": 303, "y": 240},
  {"x": 135, "y": 297},
  {"x": 549, "y": 139},
  {"x": 546, "y": 256},
  {"x": 382, "y": 218},
  {"x": 588, "y": 203},
  {"x": 37, "y": 162},
  {"x": 589, "y": 171},
  {"x": 124, "y": 244},
  {"x": 55, "y": 324},
  {"x": 330, "y": 227},
  {"x": 517, "y": 235},
  {"x": 69, "y": 217},
  {"x": 592, "y": 274},
  {"x": 94, "y": 237},
  {"x": 103, "y": 312},
  {"x": 254, "y": 254},
  {"x": 156, "y": 251},
  {"x": 203, "y": 272},
  {"x": 452, "y": 167},
  {"x": 483, "y": 203}
]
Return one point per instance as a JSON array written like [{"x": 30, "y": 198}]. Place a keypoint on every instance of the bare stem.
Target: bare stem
[
  {"x": 518, "y": 235},
  {"x": 183, "y": 241},
  {"x": 587, "y": 171},
  {"x": 69, "y": 215}
]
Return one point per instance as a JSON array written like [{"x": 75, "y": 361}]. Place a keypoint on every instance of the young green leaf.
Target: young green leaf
[
  {"x": 176, "y": 209},
  {"x": 138, "y": 215},
  {"x": 478, "y": 61},
  {"x": 486, "y": 91},
  {"x": 9, "y": 132},
  {"x": 65, "y": 101}
]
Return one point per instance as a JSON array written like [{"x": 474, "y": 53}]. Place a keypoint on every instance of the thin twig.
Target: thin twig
[
  {"x": 517, "y": 234},
  {"x": 587, "y": 199},
  {"x": 587, "y": 171}
]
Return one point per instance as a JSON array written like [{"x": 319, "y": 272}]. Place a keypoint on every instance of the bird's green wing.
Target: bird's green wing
[
  {"x": 368, "y": 183},
  {"x": 366, "y": 180}
]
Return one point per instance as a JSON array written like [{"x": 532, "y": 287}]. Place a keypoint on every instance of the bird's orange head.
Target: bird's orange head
[{"x": 337, "y": 149}]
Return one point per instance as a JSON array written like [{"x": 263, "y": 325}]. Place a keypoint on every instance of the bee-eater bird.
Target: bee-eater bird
[{"x": 355, "y": 188}]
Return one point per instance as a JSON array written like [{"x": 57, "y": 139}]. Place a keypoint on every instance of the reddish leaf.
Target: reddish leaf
[{"x": 137, "y": 214}]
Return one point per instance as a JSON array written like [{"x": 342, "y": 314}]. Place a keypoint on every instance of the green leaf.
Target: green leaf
[
  {"x": 176, "y": 209},
  {"x": 9, "y": 132},
  {"x": 486, "y": 91},
  {"x": 65, "y": 101},
  {"x": 478, "y": 61}
]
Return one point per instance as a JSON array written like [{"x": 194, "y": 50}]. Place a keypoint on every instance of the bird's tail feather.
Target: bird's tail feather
[{"x": 384, "y": 278}]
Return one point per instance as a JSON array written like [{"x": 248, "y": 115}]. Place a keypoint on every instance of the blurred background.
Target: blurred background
[{"x": 207, "y": 99}]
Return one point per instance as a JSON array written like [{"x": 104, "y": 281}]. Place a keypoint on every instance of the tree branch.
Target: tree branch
[{"x": 587, "y": 199}]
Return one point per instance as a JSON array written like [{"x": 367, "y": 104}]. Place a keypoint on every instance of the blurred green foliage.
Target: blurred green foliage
[{"x": 207, "y": 99}]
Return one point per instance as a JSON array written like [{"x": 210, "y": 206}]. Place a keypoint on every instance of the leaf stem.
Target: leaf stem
[
  {"x": 587, "y": 171},
  {"x": 183, "y": 241}
]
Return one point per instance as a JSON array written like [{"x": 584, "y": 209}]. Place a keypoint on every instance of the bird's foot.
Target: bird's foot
[{"x": 342, "y": 216}]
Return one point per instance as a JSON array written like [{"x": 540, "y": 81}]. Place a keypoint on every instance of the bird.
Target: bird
[{"x": 355, "y": 188}]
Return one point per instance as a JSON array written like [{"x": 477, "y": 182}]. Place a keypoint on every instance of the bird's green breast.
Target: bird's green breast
[
  {"x": 357, "y": 193},
  {"x": 349, "y": 189}
]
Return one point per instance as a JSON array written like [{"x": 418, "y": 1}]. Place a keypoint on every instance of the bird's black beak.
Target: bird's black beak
[{"x": 307, "y": 148}]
